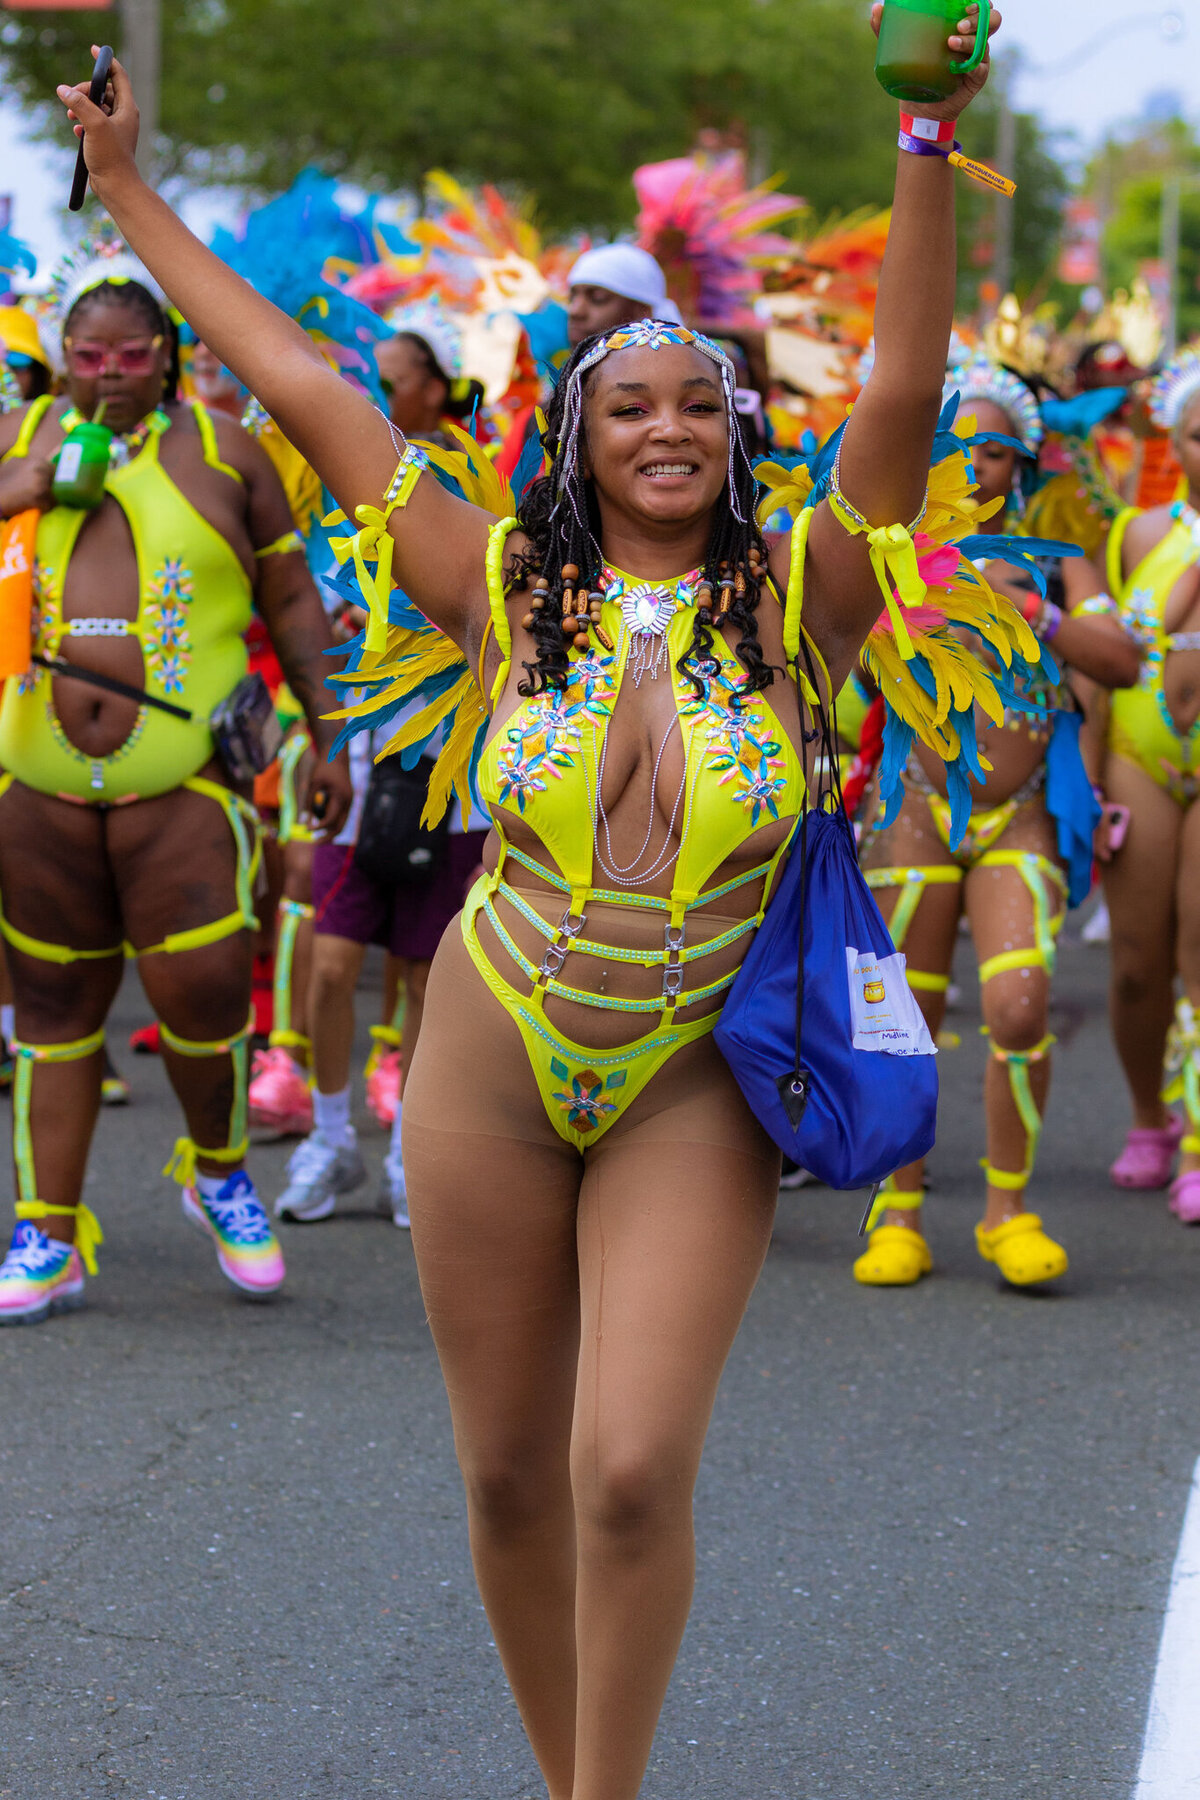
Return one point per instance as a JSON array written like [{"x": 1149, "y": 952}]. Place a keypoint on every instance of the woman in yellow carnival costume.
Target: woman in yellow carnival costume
[
  {"x": 118, "y": 831},
  {"x": 1153, "y": 768},
  {"x": 1029, "y": 840},
  {"x": 591, "y": 1199}
]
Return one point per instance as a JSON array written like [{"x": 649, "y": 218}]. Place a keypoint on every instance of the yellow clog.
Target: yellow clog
[
  {"x": 1021, "y": 1251},
  {"x": 895, "y": 1256}
]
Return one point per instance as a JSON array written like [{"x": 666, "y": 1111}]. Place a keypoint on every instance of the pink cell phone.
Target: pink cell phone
[{"x": 1117, "y": 819}]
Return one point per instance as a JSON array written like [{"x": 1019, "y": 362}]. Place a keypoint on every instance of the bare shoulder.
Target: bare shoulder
[{"x": 45, "y": 438}]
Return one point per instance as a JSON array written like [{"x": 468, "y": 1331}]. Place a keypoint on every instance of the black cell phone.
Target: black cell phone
[{"x": 96, "y": 92}]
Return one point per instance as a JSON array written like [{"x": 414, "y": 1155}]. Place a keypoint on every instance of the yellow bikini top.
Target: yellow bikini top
[
  {"x": 741, "y": 771},
  {"x": 1142, "y": 595}
]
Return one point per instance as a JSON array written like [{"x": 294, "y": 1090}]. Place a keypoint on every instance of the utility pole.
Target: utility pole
[
  {"x": 141, "y": 52},
  {"x": 1006, "y": 159}
]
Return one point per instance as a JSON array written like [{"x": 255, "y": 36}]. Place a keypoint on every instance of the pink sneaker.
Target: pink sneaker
[
  {"x": 1185, "y": 1197},
  {"x": 383, "y": 1087},
  {"x": 1146, "y": 1160},
  {"x": 279, "y": 1096}
]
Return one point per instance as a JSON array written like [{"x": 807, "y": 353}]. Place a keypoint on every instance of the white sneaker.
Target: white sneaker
[
  {"x": 1098, "y": 929},
  {"x": 318, "y": 1172},
  {"x": 393, "y": 1191}
]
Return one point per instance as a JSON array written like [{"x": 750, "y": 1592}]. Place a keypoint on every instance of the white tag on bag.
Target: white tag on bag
[{"x": 882, "y": 1009}]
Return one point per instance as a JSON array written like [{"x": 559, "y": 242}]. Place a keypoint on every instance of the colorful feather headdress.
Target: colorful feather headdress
[
  {"x": 711, "y": 233},
  {"x": 932, "y": 681}
]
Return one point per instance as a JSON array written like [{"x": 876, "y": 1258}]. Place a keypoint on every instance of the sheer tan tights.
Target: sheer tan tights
[
  {"x": 1152, "y": 886},
  {"x": 1015, "y": 1004},
  {"x": 583, "y": 1309}
]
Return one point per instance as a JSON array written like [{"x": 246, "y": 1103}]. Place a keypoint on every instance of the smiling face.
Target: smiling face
[
  {"x": 1187, "y": 446},
  {"x": 655, "y": 436},
  {"x": 117, "y": 357},
  {"x": 995, "y": 464}
]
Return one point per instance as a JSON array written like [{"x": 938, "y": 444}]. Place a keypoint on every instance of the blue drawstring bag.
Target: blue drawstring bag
[{"x": 820, "y": 1027}]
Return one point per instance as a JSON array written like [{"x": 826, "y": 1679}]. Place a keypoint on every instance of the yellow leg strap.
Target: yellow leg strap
[
  {"x": 1190, "y": 1145},
  {"x": 914, "y": 881},
  {"x": 922, "y": 983},
  {"x": 1018, "y": 1062},
  {"x": 890, "y": 1198},
  {"x": 1005, "y": 1178},
  {"x": 383, "y": 1039},
  {"x": 183, "y": 1158},
  {"x": 46, "y": 952},
  {"x": 88, "y": 1235},
  {"x": 292, "y": 914},
  {"x": 243, "y": 822},
  {"x": 87, "y": 1227},
  {"x": 291, "y": 831},
  {"x": 182, "y": 1163},
  {"x": 1042, "y": 878}
]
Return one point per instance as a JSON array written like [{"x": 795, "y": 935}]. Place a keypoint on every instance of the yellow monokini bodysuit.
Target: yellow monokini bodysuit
[
  {"x": 194, "y": 603},
  {"x": 544, "y": 765},
  {"x": 1141, "y": 730}
]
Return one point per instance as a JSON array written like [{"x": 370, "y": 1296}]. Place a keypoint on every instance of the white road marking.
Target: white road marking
[{"x": 1170, "y": 1766}]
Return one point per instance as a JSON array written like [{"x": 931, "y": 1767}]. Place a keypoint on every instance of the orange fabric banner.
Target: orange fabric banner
[{"x": 18, "y": 536}]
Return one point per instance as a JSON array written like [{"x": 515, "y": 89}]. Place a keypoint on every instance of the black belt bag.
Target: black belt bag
[{"x": 393, "y": 847}]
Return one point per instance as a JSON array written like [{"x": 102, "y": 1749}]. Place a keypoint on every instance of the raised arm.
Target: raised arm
[
  {"x": 884, "y": 461},
  {"x": 440, "y": 540}
]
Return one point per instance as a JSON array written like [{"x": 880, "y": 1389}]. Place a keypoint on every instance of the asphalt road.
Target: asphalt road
[{"x": 936, "y": 1526}]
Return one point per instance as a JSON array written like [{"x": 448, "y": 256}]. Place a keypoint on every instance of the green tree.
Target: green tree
[
  {"x": 558, "y": 98},
  {"x": 1042, "y": 190},
  {"x": 1127, "y": 177}
]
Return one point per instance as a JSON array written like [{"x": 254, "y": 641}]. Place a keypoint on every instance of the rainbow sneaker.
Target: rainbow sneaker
[
  {"x": 39, "y": 1276},
  {"x": 279, "y": 1095},
  {"x": 247, "y": 1249},
  {"x": 383, "y": 1086}
]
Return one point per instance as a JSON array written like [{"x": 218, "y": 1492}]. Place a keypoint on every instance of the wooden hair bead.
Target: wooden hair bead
[
  {"x": 581, "y": 640},
  {"x": 569, "y": 627},
  {"x": 570, "y": 572},
  {"x": 603, "y": 637},
  {"x": 739, "y": 581},
  {"x": 528, "y": 622},
  {"x": 538, "y": 602}
]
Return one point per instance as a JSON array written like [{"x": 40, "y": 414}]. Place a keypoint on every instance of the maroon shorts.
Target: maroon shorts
[{"x": 408, "y": 921}]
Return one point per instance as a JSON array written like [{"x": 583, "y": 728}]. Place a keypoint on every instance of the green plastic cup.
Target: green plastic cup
[
  {"x": 913, "y": 61},
  {"x": 82, "y": 466}
]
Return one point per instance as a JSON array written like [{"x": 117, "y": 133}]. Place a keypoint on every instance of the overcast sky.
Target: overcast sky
[{"x": 1127, "y": 69}]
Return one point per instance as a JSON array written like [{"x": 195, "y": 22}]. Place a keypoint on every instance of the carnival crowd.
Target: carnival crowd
[{"x": 249, "y": 664}]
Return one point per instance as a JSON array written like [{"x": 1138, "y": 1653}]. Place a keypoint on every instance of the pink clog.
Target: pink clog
[
  {"x": 1185, "y": 1197},
  {"x": 1146, "y": 1160}
]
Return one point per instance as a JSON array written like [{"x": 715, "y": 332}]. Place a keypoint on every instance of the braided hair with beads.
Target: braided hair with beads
[{"x": 561, "y": 522}]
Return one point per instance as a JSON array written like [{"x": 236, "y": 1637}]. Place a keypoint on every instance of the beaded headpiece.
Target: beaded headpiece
[
  {"x": 982, "y": 379},
  {"x": 1175, "y": 388},
  {"x": 436, "y": 326},
  {"x": 102, "y": 256},
  {"x": 645, "y": 334}
]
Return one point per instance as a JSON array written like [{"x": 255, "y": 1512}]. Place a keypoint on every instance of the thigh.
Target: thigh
[
  {"x": 1140, "y": 881},
  {"x": 175, "y": 864},
  {"x": 492, "y": 1194},
  {"x": 911, "y": 841},
  {"x": 56, "y": 884},
  {"x": 675, "y": 1216},
  {"x": 1004, "y": 918}
]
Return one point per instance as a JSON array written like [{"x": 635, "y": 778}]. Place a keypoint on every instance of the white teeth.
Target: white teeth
[{"x": 670, "y": 469}]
